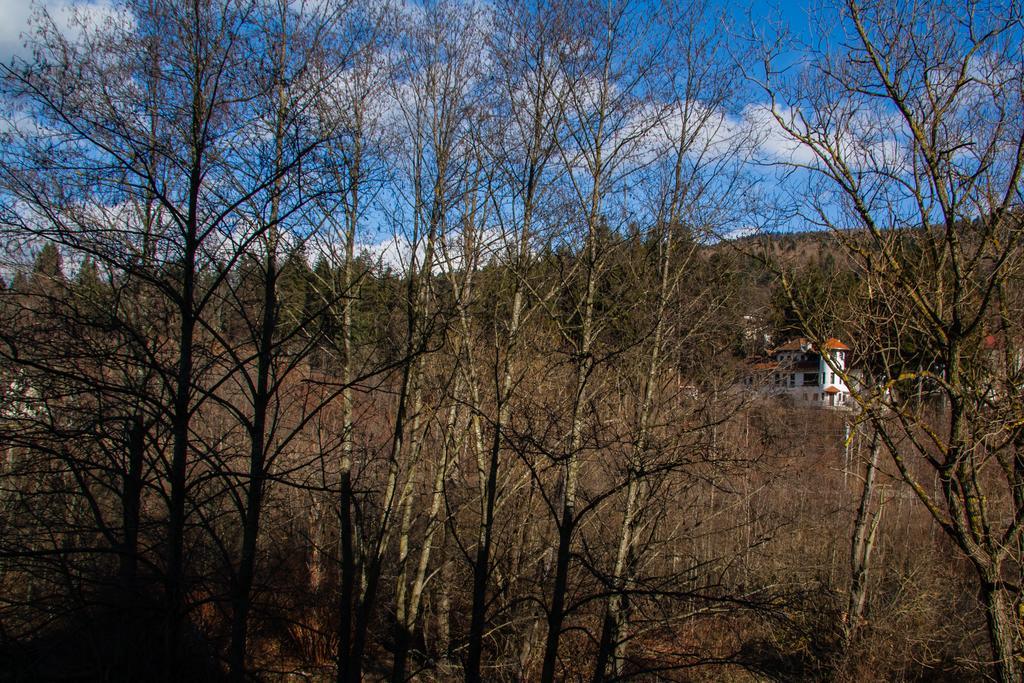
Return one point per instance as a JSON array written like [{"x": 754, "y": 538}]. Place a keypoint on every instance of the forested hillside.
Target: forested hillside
[{"x": 414, "y": 341}]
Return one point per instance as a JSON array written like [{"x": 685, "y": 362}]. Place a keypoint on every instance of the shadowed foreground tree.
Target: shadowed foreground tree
[{"x": 150, "y": 145}]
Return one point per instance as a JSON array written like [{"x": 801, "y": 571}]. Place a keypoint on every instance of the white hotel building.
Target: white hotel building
[{"x": 799, "y": 370}]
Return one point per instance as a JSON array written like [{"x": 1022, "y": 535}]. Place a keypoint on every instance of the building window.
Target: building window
[{"x": 810, "y": 379}]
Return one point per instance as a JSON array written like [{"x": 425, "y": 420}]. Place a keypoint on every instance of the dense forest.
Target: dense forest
[{"x": 357, "y": 340}]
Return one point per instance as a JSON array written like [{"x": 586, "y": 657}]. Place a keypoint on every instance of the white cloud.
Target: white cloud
[
  {"x": 391, "y": 252},
  {"x": 773, "y": 143},
  {"x": 16, "y": 15},
  {"x": 395, "y": 252},
  {"x": 16, "y": 20},
  {"x": 741, "y": 232}
]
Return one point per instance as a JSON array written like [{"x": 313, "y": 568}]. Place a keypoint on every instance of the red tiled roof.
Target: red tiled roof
[
  {"x": 833, "y": 344},
  {"x": 831, "y": 390},
  {"x": 792, "y": 345}
]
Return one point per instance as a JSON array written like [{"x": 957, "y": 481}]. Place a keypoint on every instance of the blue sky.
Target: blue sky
[
  {"x": 15, "y": 14},
  {"x": 803, "y": 19},
  {"x": 15, "y": 18}
]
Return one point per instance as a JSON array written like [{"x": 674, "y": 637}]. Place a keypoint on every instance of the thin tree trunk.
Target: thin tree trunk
[
  {"x": 613, "y": 631},
  {"x": 242, "y": 594},
  {"x": 181, "y": 414},
  {"x": 491, "y": 468},
  {"x": 444, "y": 603},
  {"x": 614, "y": 625},
  {"x": 347, "y": 569},
  {"x": 418, "y": 297},
  {"x": 181, "y": 419},
  {"x": 131, "y": 503},
  {"x": 261, "y": 401},
  {"x": 403, "y": 624},
  {"x": 402, "y": 629},
  {"x": 567, "y": 524},
  {"x": 1002, "y": 630},
  {"x": 409, "y": 608},
  {"x": 372, "y": 565},
  {"x": 864, "y": 527}
]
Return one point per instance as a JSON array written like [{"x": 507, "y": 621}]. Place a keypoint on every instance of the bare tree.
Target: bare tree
[
  {"x": 272, "y": 348},
  {"x": 352, "y": 107},
  {"x": 862, "y": 542},
  {"x": 693, "y": 186},
  {"x": 912, "y": 152},
  {"x": 607, "y": 116},
  {"x": 158, "y": 109},
  {"x": 527, "y": 111}
]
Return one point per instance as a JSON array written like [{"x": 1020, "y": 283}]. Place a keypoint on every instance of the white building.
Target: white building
[{"x": 801, "y": 371}]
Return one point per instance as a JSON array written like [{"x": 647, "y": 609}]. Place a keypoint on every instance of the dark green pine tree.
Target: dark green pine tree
[
  {"x": 48, "y": 264},
  {"x": 88, "y": 277}
]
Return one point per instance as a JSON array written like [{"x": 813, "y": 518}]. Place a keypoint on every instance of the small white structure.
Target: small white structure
[{"x": 808, "y": 375}]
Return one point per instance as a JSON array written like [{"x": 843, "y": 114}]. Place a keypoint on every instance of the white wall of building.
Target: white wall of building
[{"x": 829, "y": 389}]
